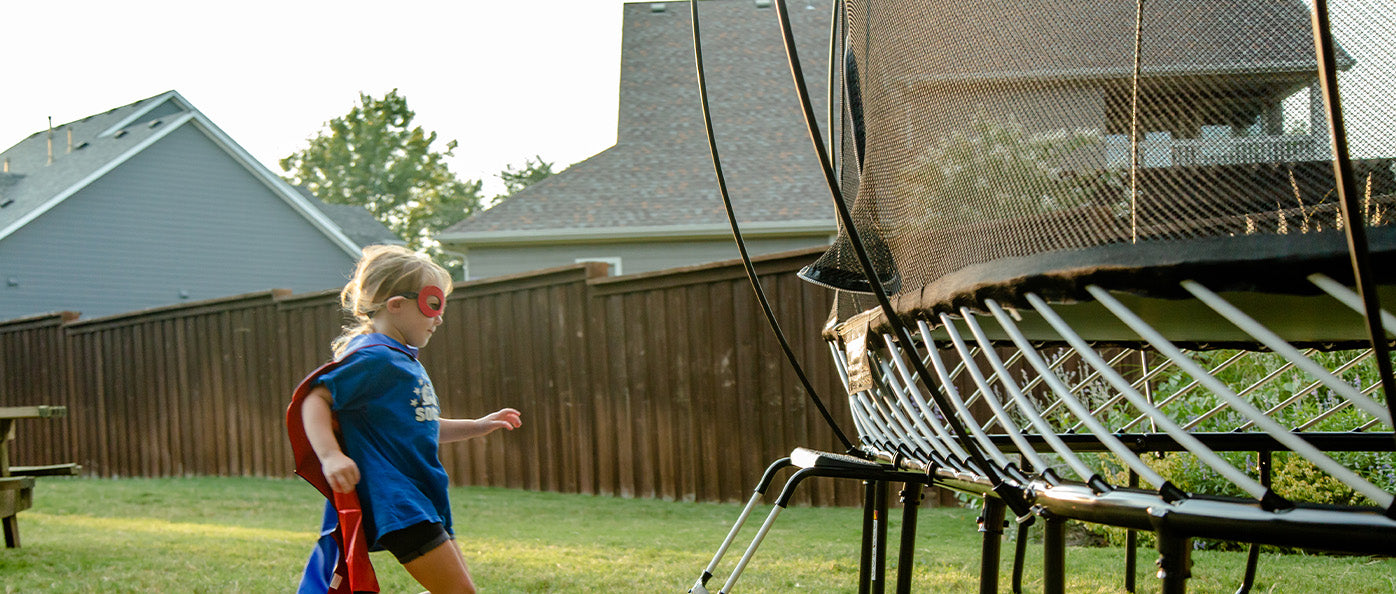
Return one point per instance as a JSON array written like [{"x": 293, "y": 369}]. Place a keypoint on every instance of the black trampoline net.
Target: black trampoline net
[{"x": 994, "y": 147}]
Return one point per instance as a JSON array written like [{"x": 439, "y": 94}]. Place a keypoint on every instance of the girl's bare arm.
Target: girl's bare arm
[
  {"x": 339, "y": 469},
  {"x": 462, "y": 429}
]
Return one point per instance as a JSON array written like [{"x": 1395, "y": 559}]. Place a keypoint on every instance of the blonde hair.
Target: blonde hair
[{"x": 382, "y": 272}]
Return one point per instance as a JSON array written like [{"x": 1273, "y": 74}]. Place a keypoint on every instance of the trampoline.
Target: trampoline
[{"x": 1113, "y": 246}]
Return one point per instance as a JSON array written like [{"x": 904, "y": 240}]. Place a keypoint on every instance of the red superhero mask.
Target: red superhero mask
[{"x": 431, "y": 300}]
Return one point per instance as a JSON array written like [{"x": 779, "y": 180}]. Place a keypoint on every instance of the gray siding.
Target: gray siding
[
  {"x": 181, "y": 216},
  {"x": 635, "y": 257}
]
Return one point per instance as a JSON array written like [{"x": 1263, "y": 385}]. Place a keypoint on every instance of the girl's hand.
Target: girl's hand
[
  {"x": 341, "y": 471},
  {"x": 504, "y": 418}
]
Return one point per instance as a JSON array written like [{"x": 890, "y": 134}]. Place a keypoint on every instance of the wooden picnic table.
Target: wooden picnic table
[{"x": 17, "y": 483}]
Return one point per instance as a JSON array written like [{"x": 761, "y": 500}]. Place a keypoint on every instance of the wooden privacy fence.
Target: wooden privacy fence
[{"x": 666, "y": 385}]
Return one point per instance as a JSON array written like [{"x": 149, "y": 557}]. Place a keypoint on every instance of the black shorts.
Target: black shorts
[{"x": 414, "y": 541}]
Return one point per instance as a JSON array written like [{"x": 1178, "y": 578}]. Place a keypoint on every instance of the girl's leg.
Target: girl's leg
[{"x": 442, "y": 570}]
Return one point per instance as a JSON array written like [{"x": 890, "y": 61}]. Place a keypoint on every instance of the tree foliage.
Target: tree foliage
[
  {"x": 375, "y": 158},
  {"x": 533, "y": 170},
  {"x": 994, "y": 168}
]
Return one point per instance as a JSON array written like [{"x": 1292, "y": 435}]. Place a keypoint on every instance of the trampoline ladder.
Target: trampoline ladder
[
  {"x": 873, "y": 552},
  {"x": 700, "y": 587}
]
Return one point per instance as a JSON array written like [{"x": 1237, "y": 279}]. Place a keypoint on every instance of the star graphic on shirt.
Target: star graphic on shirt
[{"x": 418, "y": 392}]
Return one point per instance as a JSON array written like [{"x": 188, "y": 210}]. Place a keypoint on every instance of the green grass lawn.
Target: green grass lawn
[{"x": 252, "y": 535}]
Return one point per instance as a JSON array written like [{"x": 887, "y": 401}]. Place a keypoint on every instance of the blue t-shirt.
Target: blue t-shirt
[{"x": 388, "y": 415}]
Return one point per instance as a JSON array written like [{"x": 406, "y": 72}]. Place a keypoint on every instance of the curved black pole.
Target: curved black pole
[
  {"x": 835, "y": 54},
  {"x": 1353, "y": 224},
  {"x": 1011, "y": 494},
  {"x": 741, "y": 244}
]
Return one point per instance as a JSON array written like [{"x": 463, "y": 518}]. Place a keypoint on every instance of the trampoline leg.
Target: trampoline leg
[
  {"x": 1131, "y": 559},
  {"x": 866, "y": 551},
  {"x": 1054, "y": 555},
  {"x": 1253, "y": 557},
  {"x": 906, "y": 552},
  {"x": 873, "y": 567},
  {"x": 1020, "y": 555},
  {"x": 1175, "y": 555},
  {"x": 1131, "y": 545},
  {"x": 991, "y": 525}
]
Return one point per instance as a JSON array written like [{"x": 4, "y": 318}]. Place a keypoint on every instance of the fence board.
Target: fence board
[
  {"x": 704, "y": 402},
  {"x": 726, "y": 416}
]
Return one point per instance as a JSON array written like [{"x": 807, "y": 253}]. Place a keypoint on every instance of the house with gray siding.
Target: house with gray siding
[
  {"x": 651, "y": 201},
  {"x": 151, "y": 204},
  {"x": 1215, "y": 78}
]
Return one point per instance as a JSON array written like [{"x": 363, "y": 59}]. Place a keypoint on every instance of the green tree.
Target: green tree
[
  {"x": 533, "y": 170},
  {"x": 375, "y": 158},
  {"x": 994, "y": 168}
]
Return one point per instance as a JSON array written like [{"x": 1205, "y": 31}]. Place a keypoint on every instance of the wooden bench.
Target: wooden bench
[
  {"x": 16, "y": 495},
  {"x": 69, "y": 469},
  {"x": 17, "y": 482}
]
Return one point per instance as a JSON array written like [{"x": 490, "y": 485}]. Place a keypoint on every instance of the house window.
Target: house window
[{"x": 613, "y": 263}]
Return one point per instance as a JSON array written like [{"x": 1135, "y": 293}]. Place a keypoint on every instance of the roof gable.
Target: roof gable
[
  {"x": 50, "y": 166},
  {"x": 150, "y": 111}
]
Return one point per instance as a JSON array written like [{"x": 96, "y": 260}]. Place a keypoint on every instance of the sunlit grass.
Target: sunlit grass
[{"x": 253, "y": 535}]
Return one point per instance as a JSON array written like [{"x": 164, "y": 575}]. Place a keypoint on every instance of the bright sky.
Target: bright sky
[{"x": 508, "y": 80}]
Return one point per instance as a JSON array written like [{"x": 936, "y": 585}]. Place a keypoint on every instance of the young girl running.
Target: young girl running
[{"x": 369, "y": 424}]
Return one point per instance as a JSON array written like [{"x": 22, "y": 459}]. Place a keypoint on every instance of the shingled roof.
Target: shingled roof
[
  {"x": 96, "y": 141},
  {"x": 659, "y": 174},
  {"x": 31, "y": 183},
  {"x": 355, "y": 221}
]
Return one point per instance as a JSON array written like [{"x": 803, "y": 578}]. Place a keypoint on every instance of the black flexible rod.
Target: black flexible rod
[
  {"x": 835, "y": 57},
  {"x": 741, "y": 244},
  {"x": 1353, "y": 224},
  {"x": 903, "y": 336},
  {"x": 1134, "y": 125}
]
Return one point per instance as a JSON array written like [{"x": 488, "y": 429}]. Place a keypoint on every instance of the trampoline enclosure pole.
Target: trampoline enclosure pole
[{"x": 1353, "y": 225}]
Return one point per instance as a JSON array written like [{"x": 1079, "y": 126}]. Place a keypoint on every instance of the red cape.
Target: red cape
[{"x": 354, "y": 571}]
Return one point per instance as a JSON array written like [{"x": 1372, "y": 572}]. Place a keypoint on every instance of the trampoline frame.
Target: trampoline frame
[{"x": 937, "y": 441}]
